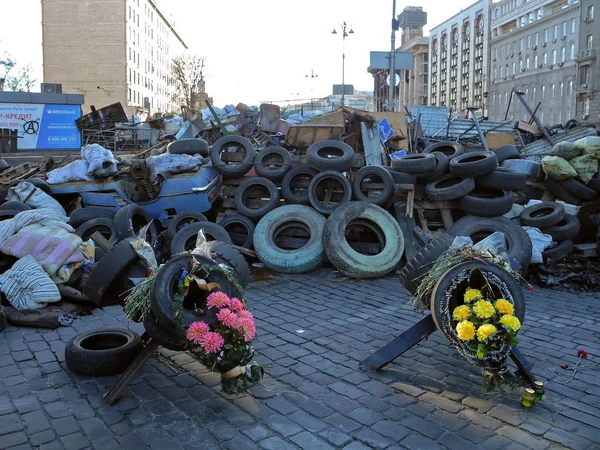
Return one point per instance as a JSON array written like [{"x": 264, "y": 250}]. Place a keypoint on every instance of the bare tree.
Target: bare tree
[
  {"x": 188, "y": 76},
  {"x": 6, "y": 65},
  {"x": 22, "y": 82}
]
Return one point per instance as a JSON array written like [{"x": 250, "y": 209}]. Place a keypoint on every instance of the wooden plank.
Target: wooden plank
[
  {"x": 330, "y": 118},
  {"x": 306, "y": 135},
  {"x": 371, "y": 144},
  {"x": 524, "y": 126},
  {"x": 497, "y": 140}
]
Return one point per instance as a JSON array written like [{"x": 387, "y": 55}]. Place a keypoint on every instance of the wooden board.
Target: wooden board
[
  {"x": 524, "y": 126},
  {"x": 306, "y": 135},
  {"x": 331, "y": 118},
  {"x": 497, "y": 140},
  {"x": 396, "y": 119}
]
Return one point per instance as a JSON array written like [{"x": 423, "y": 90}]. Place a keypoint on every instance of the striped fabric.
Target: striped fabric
[{"x": 27, "y": 286}]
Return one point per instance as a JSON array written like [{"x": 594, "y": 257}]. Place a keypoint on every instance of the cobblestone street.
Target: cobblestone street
[{"x": 313, "y": 330}]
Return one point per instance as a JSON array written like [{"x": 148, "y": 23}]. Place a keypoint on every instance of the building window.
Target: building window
[
  {"x": 526, "y": 93},
  {"x": 546, "y": 35},
  {"x": 590, "y": 14},
  {"x": 535, "y": 61},
  {"x": 562, "y": 89},
  {"x": 522, "y": 45},
  {"x": 527, "y": 63},
  {"x": 528, "y": 42},
  {"x": 585, "y": 75},
  {"x": 521, "y": 65},
  {"x": 572, "y": 51},
  {"x": 559, "y": 116},
  {"x": 545, "y": 58},
  {"x": 590, "y": 41},
  {"x": 570, "y": 89},
  {"x": 506, "y": 98},
  {"x": 514, "y": 68},
  {"x": 495, "y": 72},
  {"x": 553, "y": 56},
  {"x": 552, "y": 90},
  {"x": 543, "y": 92},
  {"x": 573, "y": 26},
  {"x": 501, "y": 71},
  {"x": 555, "y": 35},
  {"x": 563, "y": 54},
  {"x": 564, "y": 30},
  {"x": 533, "y": 92},
  {"x": 537, "y": 39}
]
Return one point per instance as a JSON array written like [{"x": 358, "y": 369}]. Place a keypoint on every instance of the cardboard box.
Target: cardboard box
[{"x": 496, "y": 140}]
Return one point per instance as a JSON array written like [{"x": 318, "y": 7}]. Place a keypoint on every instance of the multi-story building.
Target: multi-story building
[
  {"x": 534, "y": 49},
  {"x": 112, "y": 51},
  {"x": 588, "y": 67},
  {"x": 412, "y": 89},
  {"x": 459, "y": 61}
]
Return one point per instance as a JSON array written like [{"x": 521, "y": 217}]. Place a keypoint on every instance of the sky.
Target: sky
[{"x": 258, "y": 50}]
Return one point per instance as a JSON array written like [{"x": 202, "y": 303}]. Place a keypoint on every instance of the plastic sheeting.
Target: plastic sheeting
[
  {"x": 540, "y": 242},
  {"x": 75, "y": 171},
  {"x": 168, "y": 164},
  {"x": 101, "y": 162}
]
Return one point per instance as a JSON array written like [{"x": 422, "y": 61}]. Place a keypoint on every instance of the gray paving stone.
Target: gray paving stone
[
  {"x": 390, "y": 429},
  {"x": 422, "y": 426},
  {"x": 309, "y": 441},
  {"x": 478, "y": 403},
  {"x": 335, "y": 437},
  {"x": 35, "y": 421},
  {"x": 56, "y": 410},
  {"x": 365, "y": 416},
  {"x": 93, "y": 428},
  {"x": 535, "y": 426},
  {"x": 522, "y": 437},
  {"x": 282, "y": 425},
  {"x": 569, "y": 440},
  {"x": 356, "y": 446},
  {"x": 12, "y": 440},
  {"x": 455, "y": 442},
  {"x": 475, "y": 434},
  {"x": 65, "y": 425},
  {"x": 307, "y": 421},
  {"x": 418, "y": 442},
  {"x": 281, "y": 405},
  {"x": 165, "y": 444},
  {"x": 221, "y": 430},
  {"x": 240, "y": 441},
  {"x": 480, "y": 420},
  {"x": 276, "y": 443},
  {"x": 43, "y": 437},
  {"x": 75, "y": 441},
  {"x": 27, "y": 404},
  {"x": 256, "y": 432},
  {"x": 506, "y": 415}
]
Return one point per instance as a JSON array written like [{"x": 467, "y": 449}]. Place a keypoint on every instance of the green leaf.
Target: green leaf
[
  {"x": 481, "y": 351},
  {"x": 228, "y": 346},
  {"x": 513, "y": 341}
]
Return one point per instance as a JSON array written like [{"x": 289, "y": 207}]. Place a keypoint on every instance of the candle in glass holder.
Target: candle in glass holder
[
  {"x": 528, "y": 398},
  {"x": 539, "y": 390}
]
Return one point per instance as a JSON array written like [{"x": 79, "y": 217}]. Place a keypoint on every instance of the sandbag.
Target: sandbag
[
  {"x": 591, "y": 145},
  {"x": 558, "y": 168},
  {"x": 101, "y": 162},
  {"x": 566, "y": 150},
  {"x": 30, "y": 195},
  {"x": 75, "y": 171},
  {"x": 169, "y": 164},
  {"x": 586, "y": 167}
]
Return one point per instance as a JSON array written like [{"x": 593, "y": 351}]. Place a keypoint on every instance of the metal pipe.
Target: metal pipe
[
  {"x": 479, "y": 131},
  {"x": 534, "y": 111},
  {"x": 538, "y": 122},
  {"x": 393, "y": 59}
]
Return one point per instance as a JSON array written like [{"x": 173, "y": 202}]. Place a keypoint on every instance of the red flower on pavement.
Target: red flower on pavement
[
  {"x": 582, "y": 354},
  {"x": 149, "y": 272},
  {"x": 564, "y": 366},
  {"x": 530, "y": 288}
]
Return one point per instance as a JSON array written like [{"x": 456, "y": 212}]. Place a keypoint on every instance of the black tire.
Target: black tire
[
  {"x": 273, "y": 163},
  {"x": 191, "y": 146},
  {"x": 518, "y": 243},
  {"x": 184, "y": 219},
  {"x": 224, "y": 253},
  {"x": 40, "y": 184},
  {"x": 240, "y": 229},
  {"x": 543, "y": 215},
  {"x": 285, "y": 260},
  {"x": 446, "y": 283},
  {"x": 566, "y": 229},
  {"x": 83, "y": 215},
  {"x": 506, "y": 152},
  {"x": 8, "y": 213},
  {"x": 571, "y": 124},
  {"x": 14, "y": 206},
  {"x": 316, "y": 191},
  {"x": 523, "y": 196},
  {"x": 330, "y": 155},
  {"x": 165, "y": 335},
  {"x": 417, "y": 267},
  {"x": 130, "y": 219},
  {"x": 246, "y": 188},
  {"x": 449, "y": 187},
  {"x": 577, "y": 189},
  {"x": 401, "y": 177},
  {"x": 595, "y": 183},
  {"x": 485, "y": 202},
  {"x": 417, "y": 164},
  {"x": 561, "y": 251},
  {"x": 99, "y": 353},
  {"x": 473, "y": 164},
  {"x": 589, "y": 217},
  {"x": 448, "y": 148},
  {"x": 533, "y": 169},
  {"x": 503, "y": 178},
  {"x": 231, "y": 169},
  {"x": 185, "y": 239},
  {"x": 294, "y": 186},
  {"x": 162, "y": 296},
  {"x": 108, "y": 270},
  {"x": 352, "y": 263},
  {"x": 106, "y": 227},
  {"x": 441, "y": 169},
  {"x": 561, "y": 193},
  {"x": 378, "y": 175}
]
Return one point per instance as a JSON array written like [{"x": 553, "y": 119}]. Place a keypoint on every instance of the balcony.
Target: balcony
[{"x": 587, "y": 54}]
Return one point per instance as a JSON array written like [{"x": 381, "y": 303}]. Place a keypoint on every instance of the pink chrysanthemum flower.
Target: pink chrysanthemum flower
[
  {"x": 236, "y": 304},
  {"x": 196, "y": 331},
  {"x": 212, "y": 342},
  {"x": 217, "y": 300},
  {"x": 227, "y": 317},
  {"x": 247, "y": 328},
  {"x": 245, "y": 314}
]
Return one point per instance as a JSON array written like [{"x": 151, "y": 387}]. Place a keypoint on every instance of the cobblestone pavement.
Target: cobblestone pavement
[{"x": 313, "y": 331}]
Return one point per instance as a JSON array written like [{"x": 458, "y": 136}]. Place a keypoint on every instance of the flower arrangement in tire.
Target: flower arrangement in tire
[
  {"x": 225, "y": 346},
  {"x": 480, "y": 311}
]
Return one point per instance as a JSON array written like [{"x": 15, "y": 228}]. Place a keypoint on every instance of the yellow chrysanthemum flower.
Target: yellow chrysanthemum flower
[
  {"x": 461, "y": 312},
  {"x": 465, "y": 330},
  {"x": 472, "y": 294},
  {"x": 485, "y": 332},
  {"x": 511, "y": 322},
  {"x": 504, "y": 307},
  {"x": 484, "y": 309}
]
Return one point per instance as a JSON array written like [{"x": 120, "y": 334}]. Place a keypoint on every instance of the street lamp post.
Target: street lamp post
[
  {"x": 344, "y": 35},
  {"x": 312, "y": 76}
]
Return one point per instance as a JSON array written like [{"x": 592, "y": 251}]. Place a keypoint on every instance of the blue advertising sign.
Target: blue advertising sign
[
  {"x": 42, "y": 126},
  {"x": 385, "y": 130}
]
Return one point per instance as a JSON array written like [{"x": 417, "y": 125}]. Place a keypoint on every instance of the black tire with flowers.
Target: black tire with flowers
[{"x": 503, "y": 283}]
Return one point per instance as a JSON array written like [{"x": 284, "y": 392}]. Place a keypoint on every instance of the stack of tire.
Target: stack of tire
[{"x": 551, "y": 219}]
